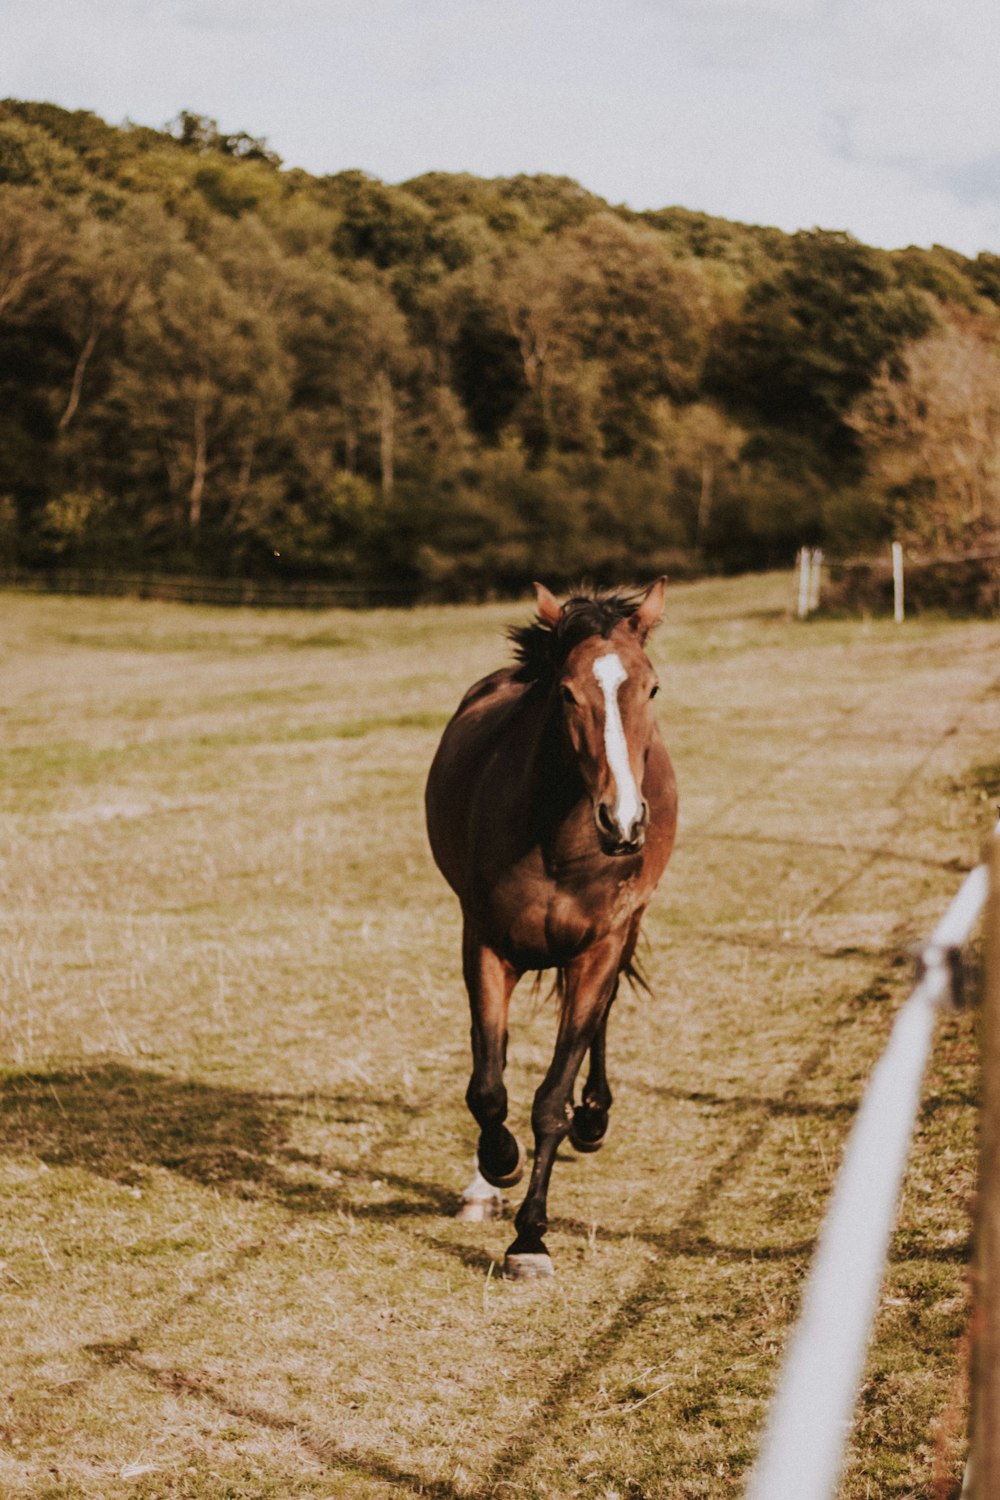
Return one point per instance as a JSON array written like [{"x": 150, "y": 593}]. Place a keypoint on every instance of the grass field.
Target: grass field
[{"x": 234, "y": 1036}]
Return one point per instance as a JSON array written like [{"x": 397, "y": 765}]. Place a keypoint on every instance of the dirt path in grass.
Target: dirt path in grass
[{"x": 231, "y": 1118}]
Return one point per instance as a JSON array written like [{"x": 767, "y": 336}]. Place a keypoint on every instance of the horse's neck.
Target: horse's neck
[{"x": 552, "y": 780}]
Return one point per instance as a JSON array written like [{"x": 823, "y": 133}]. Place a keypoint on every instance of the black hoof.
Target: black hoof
[
  {"x": 531, "y": 1265},
  {"x": 527, "y": 1259},
  {"x": 588, "y": 1129},
  {"x": 502, "y": 1178}
]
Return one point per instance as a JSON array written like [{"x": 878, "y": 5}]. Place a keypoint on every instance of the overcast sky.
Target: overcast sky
[{"x": 881, "y": 117}]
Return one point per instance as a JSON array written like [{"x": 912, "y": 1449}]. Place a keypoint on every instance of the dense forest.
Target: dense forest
[{"x": 213, "y": 364}]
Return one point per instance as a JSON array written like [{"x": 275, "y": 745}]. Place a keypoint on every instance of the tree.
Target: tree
[
  {"x": 202, "y": 134},
  {"x": 931, "y": 434},
  {"x": 811, "y": 338},
  {"x": 529, "y": 288},
  {"x": 33, "y": 249},
  {"x": 699, "y": 450},
  {"x": 606, "y": 325},
  {"x": 204, "y": 355},
  {"x": 644, "y": 317},
  {"x": 202, "y": 378},
  {"x": 101, "y": 278},
  {"x": 352, "y": 362}
]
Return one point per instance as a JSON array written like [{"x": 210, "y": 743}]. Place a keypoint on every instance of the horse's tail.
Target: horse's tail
[
  {"x": 541, "y": 995},
  {"x": 636, "y": 976},
  {"x": 632, "y": 970}
]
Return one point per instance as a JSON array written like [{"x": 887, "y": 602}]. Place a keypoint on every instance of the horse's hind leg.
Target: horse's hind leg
[
  {"x": 589, "y": 1125},
  {"x": 490, "y": 982},
  {"x": 591, "y": 980},
  {"x": 480, "y": 1200}
]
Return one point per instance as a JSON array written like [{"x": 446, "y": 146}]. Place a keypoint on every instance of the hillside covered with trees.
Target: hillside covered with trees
[{"x": 212, "y": 364}]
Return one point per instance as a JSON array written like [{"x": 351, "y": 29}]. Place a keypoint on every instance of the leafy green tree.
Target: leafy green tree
[
  {"x": 206, "y": 358},
  {"x": 643, "y": 317},
  {"x": 699, "y": 459},
  {"x": 33, "y": 251},
  {"x": 481, "y": 358},
  {"x": 812, "y": 337},
  {"x": 529, "y": 288},
  {"x": 101, "y": 277},
  {"x": 380, "y": 224},
  {"x": 33, "y": 255},
  {"x": 353, "y": 363},
  {"x": 202, "y": 380},
  {"x": 931, "y": 432},
  {"x": 202, "y": 134}
]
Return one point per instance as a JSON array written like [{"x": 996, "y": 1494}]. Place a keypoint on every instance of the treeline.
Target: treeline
[{"x": 211, "y": 364}]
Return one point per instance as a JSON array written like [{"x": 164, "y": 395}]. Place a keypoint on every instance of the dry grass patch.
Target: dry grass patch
[{"x": 231, "y": 1123}]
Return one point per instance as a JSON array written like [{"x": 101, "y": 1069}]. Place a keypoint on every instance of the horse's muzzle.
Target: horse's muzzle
[{"x": 613, "y": 838}]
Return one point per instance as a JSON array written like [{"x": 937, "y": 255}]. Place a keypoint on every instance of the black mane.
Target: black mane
[{"x": 540, "y": 649}]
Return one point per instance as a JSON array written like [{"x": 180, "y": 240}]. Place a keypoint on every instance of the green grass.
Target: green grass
[{"x": 232, "y": 1129}]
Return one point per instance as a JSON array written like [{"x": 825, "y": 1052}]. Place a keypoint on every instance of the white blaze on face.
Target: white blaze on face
[{"x": 628, "y": 804}]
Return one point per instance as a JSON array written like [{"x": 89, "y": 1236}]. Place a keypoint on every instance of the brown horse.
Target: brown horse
[{"x": 551, "y": 811}]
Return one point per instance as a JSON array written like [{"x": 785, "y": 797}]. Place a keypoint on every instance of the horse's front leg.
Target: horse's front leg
[
  {"x": 589, "y": 1124},
  {"x": 490, "y": 981},
  {"x": 591, "y": 981}
]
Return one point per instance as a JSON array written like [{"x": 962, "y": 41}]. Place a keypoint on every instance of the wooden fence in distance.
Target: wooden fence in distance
[
  {"x": 247, "y": 592},
  {"x": 965, "y": 583}
]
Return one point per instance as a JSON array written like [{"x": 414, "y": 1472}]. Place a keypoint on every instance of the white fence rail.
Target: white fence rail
[{"x": 802, "y": 1449}]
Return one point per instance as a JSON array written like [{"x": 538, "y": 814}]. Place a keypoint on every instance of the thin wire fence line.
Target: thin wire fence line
[{"x": 802, "y": 1450}]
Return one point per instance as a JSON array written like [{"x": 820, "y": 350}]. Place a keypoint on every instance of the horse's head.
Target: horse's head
[{"x": 605, "y": 686}]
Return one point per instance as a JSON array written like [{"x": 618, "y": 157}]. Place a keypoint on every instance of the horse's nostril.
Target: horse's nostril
[
  {"x": 639, "y": 826},
  {"x": 605, "y": 820}
]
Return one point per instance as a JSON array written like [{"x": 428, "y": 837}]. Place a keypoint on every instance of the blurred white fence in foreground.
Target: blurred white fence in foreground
[{"x": 810, "y": 1419}]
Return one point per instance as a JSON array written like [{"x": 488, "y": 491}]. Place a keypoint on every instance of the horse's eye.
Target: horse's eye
[
  {"x": 567, "y": 694},
  {"x": 654, "y": 690}
]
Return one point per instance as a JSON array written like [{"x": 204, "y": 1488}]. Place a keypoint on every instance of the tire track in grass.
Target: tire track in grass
[
  {"x": 683, "y": 1241},
  {"x": 130, "y": 1351},
  {"x": 830, "y": 846},
  {"x": 846, "y": 714},
  {"x": 872, "y": 858},
  {"x": 314, "y": 1445}
]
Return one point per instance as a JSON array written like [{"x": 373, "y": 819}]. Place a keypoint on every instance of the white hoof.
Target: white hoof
[
  {"x": 527, "y": 1267},
  {"x": 478, "y": 1210},
  {"x": 480, "y": 1201}
]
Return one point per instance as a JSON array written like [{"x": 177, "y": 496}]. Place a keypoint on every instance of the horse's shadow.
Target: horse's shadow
[{"x": 120, "y": 1122}]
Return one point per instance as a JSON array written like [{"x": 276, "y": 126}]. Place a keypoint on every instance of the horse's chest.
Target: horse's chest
[{"x": 558, "y": 921}]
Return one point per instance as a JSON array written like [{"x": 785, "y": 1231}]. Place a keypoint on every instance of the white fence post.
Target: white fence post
[
  {"x": 983, "y": 1474},
  {"x": 815, "y": 578},
  {"x": 805, "y": 558},
  {"x": 897, "y": 583}
]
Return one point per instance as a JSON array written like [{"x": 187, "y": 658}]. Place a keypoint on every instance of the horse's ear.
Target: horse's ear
[
  {"x": 547, "y": 604},
  {"x": 650, "y": 611}
]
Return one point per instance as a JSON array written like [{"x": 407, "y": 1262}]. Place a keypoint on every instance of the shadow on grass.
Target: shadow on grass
[{"x": 119, "y": 1121}]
